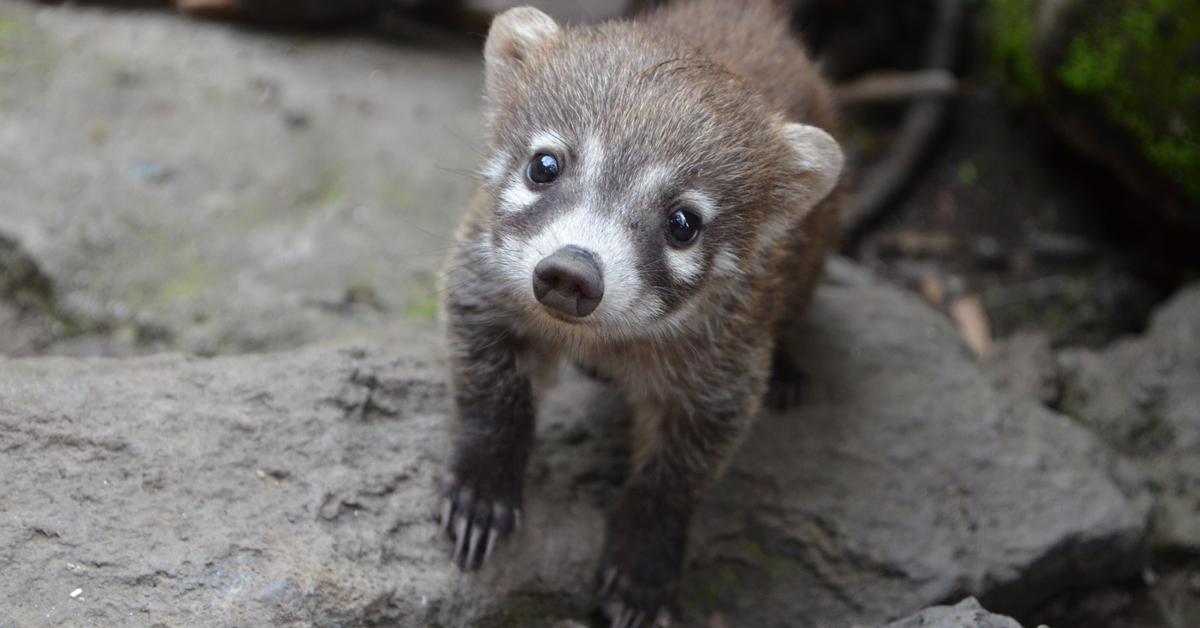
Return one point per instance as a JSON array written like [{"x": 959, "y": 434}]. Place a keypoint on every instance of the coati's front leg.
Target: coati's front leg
[
  {"x": 482, "y": 499},
  {"x": 678, "y": 452}
]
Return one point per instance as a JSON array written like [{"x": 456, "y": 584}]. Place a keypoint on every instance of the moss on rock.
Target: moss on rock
[
  {"x": 1135, "y": 61},
  {"x": 1141, "y": 60},
  {"x": 1012, "y": 31},
  {"x": 533, "y": 611}
]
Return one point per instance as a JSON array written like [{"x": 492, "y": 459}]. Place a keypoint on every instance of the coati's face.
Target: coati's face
[{"x": 629, "y": 175}]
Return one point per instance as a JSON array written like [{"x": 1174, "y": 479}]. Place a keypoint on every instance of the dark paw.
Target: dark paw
[
  {"x": 639, "y": 571},
  {"x": 477, "y": 516},
  {"x": 631, "y": 603}
]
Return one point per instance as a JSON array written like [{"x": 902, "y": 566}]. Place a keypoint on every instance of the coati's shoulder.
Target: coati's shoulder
[{"x": 753, "y": 39}]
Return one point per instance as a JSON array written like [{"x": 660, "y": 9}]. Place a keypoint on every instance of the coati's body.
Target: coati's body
[{"x": 658, "y": 202}]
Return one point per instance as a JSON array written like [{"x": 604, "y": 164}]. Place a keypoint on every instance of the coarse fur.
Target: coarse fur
[{"x": 709, "y": 105}]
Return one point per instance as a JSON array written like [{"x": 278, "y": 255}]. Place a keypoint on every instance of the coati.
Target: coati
[{"x": 656, "y": 207}]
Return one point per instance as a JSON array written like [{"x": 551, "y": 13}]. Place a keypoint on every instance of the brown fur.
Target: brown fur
[{"x": 704, "y": 86}]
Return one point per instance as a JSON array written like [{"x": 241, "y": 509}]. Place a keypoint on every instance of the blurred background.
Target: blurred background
[{"x": 230, "y": 176}]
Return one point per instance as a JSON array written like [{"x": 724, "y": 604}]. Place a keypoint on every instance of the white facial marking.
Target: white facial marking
[
  {"x": 594, "y": 232},
  {"x": 592, "y": 158},
  {"x": 517, "y": 196},
  {"x": 702, "y": 203},
  {"x": 547, "y": 141},
  {"x": 653, "y": 180},
  {"x": 493, "y": 170},
  {"x": 686, "y": 265}
]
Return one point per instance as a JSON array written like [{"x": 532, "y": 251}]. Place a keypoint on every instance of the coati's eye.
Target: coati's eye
[
  {"x": 543, "y": 169},
  {"x": 682, "y": 227}
]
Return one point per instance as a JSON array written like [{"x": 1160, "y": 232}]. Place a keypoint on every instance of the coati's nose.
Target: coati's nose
[{"x": 569, "y": 281}]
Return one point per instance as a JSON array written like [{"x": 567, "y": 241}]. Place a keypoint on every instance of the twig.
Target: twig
[
  {"x": 921, "y": 122},
  {"x": 893, "y": 86}
]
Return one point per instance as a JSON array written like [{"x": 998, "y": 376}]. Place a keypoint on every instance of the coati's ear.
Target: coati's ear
[
  {"x": 515, "y": 35},
  {"x": 817, "y": 158}
]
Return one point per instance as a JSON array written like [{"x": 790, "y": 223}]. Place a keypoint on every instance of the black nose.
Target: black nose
[{"x": 569, "y": 281}]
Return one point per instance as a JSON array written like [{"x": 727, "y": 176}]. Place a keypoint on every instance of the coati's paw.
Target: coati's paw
[
  {"x": 630, "y": 602},
  {"x": 638, "y": 575},
  {"x": 477, "y": 516}
]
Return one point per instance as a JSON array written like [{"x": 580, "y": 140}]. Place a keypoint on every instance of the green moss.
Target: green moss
[
  {"x": 1140, "y": 60},
  {"x": 1012, "y": 25},
  {"x": 532, "y": 611},
  {"x": 188, "y": 285},
  {"x": 12, "y": 30},
  {"x": 326, "y": 190},
  {"x": 968, "y": 173},
  {"x": 9, "y": 28}
]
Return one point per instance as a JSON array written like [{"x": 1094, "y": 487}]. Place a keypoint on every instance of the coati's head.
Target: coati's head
[{"x": 628, "y": 172}]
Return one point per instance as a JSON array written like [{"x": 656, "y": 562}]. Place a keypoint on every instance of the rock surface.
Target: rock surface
[
  {"x": 1143, "y": 396},
  {"x": 195, "y": 186},
  {"x": 966, "y": 614},
  {"x": 295, "y": 489}
]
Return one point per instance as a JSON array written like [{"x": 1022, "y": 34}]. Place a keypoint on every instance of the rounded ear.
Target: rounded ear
[
  {"x": 816, "y": 157},
  {"x": 514, "y": 36}
]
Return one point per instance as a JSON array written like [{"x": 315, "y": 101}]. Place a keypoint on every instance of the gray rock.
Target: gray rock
[
  {"x": 966, "y": 614},
  {"x": 1143, "y": 396},
  {"x": 1026, "y": 366},
  {"x": 295, "y": 489},
  {"x": 152, "y": 169}
]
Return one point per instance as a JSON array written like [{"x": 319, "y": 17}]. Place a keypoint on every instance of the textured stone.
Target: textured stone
[
  {"x": 295, "y": 489},
  {"x": 966, "y": 614},
  {"x": 1143, "y": 396},
  {"x": 215, "y": 189}
]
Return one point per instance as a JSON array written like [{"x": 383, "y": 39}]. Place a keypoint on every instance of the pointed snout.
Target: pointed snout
[{"x": 569, "y": 281}]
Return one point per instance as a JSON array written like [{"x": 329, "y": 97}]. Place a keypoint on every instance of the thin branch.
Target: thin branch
[
  {"x": 883, "y": 87},
  {"x": 883, "y": 183}
]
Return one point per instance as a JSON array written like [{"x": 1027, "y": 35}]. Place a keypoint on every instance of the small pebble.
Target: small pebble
[
  {"x": 151, "y": 172},
  {"x": 296, "y": 120},
  {"x": 76, "y": 593}
]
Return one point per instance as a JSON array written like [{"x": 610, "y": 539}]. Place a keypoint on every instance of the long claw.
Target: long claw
[
  {"x": 461, "y": 541},
  {"x": 610, "y": 577},
  {"x": 473, "y": 551},
  {"x": 493, "y": 534},
  {"x": 624, "y": 617},
  {"x": 615, "y": 622},
  {"x": 447, "y": 511}
]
